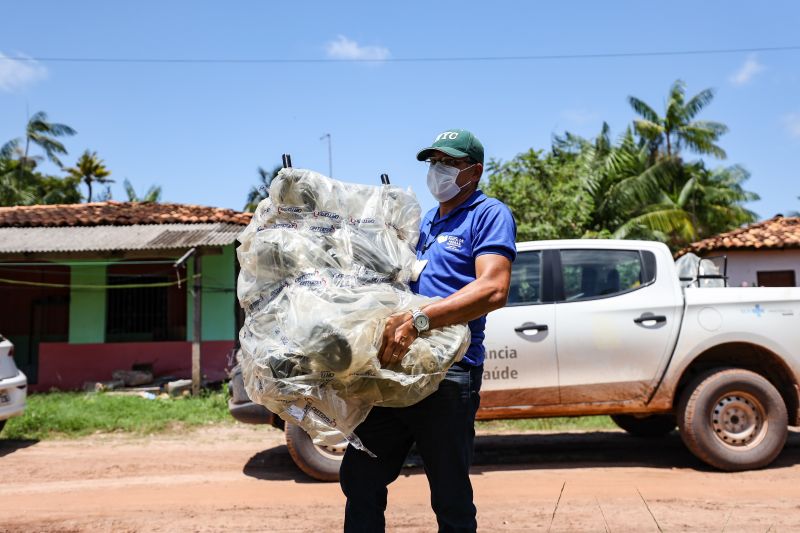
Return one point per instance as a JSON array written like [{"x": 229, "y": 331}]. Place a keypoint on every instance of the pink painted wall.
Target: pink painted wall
[{"x": 67, "y": 366}]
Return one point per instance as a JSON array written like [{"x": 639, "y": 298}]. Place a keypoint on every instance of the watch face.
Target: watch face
[{"x": 421, "y": 322}]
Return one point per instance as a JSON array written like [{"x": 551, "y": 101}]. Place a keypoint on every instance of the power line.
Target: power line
[
  {"x": 536, "y": 57},
  {"x": 93, "y": 286}
]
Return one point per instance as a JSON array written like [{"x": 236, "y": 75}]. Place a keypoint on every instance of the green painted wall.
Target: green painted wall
[
  {"x": 218, "y": 299},
  {"x": 87, "y": 307}
]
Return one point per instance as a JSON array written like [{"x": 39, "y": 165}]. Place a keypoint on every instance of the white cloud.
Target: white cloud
[
  {"x": 580, "y": 116},
  {"x": 792, "y": 123},
  {"x": 16, "y": 74},
  {"x": 747, "y": 71},
  {"x": 344, "y": 48}
]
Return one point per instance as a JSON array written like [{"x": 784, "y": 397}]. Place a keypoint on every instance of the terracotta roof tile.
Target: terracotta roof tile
[
  {"x": 776, "y": 233},
  {"x": 116, "y": 214}
]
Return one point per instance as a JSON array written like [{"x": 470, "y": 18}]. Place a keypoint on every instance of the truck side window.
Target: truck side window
[
  {"x": 526, "y": 279},
  {"x": 590, "y": 274}
]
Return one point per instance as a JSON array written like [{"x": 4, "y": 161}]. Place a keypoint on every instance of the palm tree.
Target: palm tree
[
  {"x": 666, "y": 199},
  {"x": 620, "y": 178},
  {"x": 259, "y": 192},
  {"x": 696, "y": 204},
  {"x": 43, "y": 134},
  {"x": 677, "y": 129},
  {"x": 90, "y": 169},
  {"x": 716, "y": 202},
  {"x": 153, "y": 194}
]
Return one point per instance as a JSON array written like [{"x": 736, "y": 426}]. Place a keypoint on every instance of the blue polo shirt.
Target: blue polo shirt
[{"x": 480, "y": 225}]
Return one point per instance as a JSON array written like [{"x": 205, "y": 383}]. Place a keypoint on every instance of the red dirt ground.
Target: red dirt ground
[{"x": 234, "y": 478}]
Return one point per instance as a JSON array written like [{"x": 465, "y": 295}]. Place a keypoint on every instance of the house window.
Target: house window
[
  {"x": 776, "y": 278},
  {"x": 143, "y": 314}
]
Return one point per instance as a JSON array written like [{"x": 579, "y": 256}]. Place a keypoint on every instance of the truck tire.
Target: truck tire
[
  {"x": 319, "y": 462},
  {"x": 733, "y": 419},
  {"x": 650, "y": 426}
]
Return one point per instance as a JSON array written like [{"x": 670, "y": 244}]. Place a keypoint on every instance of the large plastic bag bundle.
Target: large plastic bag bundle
[{"x": 323, "y": 264}]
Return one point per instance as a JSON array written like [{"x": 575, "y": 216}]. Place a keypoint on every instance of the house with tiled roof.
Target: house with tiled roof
[
  {"x": 92, "y": 288},
  {"x": 764, "y": 254}
]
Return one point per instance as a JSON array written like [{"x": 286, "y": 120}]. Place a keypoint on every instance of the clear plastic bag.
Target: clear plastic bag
[
  {"x": 323, "y": 264},
  {"x": 691, "y": 268}
]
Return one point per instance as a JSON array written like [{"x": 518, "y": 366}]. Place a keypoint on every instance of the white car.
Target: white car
[
  {"x": 13, "y": 384},
  {"x": 607, "y": 327}
]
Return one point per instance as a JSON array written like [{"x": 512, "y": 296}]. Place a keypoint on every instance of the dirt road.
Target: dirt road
[{"x": 241, "y": 479}]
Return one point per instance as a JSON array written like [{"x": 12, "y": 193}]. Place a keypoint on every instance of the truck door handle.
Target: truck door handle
[
  {"x": 527, "y": 326},
  {"x": 650, "y": 318}
]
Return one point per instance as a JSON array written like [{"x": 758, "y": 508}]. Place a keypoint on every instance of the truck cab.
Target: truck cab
[{"x": 588, "y": 328}]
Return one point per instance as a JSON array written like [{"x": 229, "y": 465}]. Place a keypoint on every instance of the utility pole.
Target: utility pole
[
  {"x": 196, "y": 288},
  {"x": 330, "y": 154}
]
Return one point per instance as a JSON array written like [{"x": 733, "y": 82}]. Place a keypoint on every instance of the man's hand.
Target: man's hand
[{"x": 398, "y": 334}]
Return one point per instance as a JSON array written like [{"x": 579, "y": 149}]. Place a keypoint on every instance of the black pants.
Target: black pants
[{"x": 443, "y": 426}]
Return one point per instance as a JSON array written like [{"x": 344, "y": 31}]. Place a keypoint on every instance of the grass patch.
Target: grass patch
[
  {"x": 578, "y": 423},
  {"x": 73, "y": 414},
  {"x": 55, "y": 415}
]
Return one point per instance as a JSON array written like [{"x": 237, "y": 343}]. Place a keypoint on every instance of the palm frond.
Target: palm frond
[
  {"x": 686, "y": 191},
  {"x": 697, "y": 103},
  {"x": 666, "y": 221},
  {"x": 8, "y": 149},
  {"x": 130, "y": 191},
  {"x": 644, "y": 110}
]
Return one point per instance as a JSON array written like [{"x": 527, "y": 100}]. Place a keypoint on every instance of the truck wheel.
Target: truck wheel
[
  {"x": 733, "y": 419},
  {"x": 319, "y": 462},
  {"x": 645, "y": 426}
]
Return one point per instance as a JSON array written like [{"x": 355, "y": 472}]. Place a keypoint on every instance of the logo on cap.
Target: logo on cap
[{"x": 452, "y": 135}]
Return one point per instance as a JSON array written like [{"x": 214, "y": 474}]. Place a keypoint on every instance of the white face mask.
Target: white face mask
[{"x": 442, "y": 181}]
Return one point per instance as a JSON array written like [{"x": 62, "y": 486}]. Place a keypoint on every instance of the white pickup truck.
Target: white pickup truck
[{"x": 606, "y": 327}]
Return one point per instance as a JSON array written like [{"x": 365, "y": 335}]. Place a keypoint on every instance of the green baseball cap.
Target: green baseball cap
[{"x": 455, "y": 143}]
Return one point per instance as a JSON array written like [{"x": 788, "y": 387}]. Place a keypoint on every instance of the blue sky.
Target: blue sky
[{"x": 200, "y": 130}]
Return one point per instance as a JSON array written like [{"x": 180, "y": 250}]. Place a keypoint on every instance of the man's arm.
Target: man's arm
[{"x": 488, "y": 292}]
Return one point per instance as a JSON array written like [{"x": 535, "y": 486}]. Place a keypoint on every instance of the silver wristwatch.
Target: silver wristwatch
[{"x": 420, "y": 320}]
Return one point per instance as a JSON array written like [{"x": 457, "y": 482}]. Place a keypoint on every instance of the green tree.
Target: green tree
[
  {"x": 41, "y": 132},
  {"x": 624, "y": 183},
  {"x": 261, "y": 191},
  {"x": 15, "y": 183},
  {"x": 90, "y": 169},
  {"x": 697, "y": 203},
  {"x": 677, "y": 129},
  {"x": 20, "y": 181},
  {"x": 628, "y": 192},
  {"x": 543, "y": 191},
  {"x": 20, "y": 185},
  {"x": 153, "y": 193},
  {"x": 717, "y": 198}
]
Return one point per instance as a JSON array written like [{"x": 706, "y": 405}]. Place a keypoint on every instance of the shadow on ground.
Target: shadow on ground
[
  {"x": 9, "y": 446},
  {"x": 530, "y": 451},
  {"x": 275, "y": 464}
]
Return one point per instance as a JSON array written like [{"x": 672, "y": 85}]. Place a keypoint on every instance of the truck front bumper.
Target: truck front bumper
[
  {"x": 251, "y": 413},
  {"x": 243, "y": 409}
]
